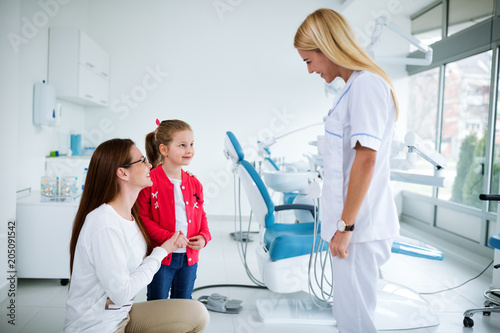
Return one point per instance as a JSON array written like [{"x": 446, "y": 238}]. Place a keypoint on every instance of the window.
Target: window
[
  {"x": 465, "y": 13},
  {"x": 465, "y": 122},
  {"x": 467, "y": 125},
  {"x": 427, "y": 25},
  {"x": 422, "y": 116}
]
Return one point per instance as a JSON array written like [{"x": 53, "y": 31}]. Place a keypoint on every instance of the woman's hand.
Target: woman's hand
[
  {"x": 190, "y": 174},
  {"x": 177, "y": 241},
  {"x": 339, "y": 244},
  {"x": 197, "y": 242}
]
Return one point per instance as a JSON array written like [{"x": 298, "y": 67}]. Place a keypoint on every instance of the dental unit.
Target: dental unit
[{"x": 294, "y": 262}]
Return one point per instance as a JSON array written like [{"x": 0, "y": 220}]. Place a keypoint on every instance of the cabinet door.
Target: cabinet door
[
  {"x": 43, "y": 235},
  {"x": 102, "y": 90},
  {"x": 93, "y": 56},
  {"x": 92, "y": 87}
]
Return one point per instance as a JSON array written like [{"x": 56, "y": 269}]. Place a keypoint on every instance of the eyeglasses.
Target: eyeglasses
[{"x": 143, "y": 160}]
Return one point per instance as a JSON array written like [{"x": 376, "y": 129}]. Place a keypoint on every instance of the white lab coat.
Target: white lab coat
[{"x": 364, "y": 113}]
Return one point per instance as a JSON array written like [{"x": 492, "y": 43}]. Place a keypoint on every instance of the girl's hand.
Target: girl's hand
[
  {"x": 175, "y": 242},
  {"x": 339, "y": 244},
  {"x": 197, "y": 242}
]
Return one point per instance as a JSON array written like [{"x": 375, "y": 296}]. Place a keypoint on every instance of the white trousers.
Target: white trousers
[{"x": 355, "y": 285}]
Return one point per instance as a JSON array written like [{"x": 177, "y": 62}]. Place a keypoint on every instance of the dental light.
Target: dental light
[
  {"x": 265, "y": 153},
  {"x": 268, "y": 142},
  {"x": 382, "y": 22},
  {"x": 417, "y": 146}
]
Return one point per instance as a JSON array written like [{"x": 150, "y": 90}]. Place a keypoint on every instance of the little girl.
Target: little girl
[{"x": 174, "y": 202}]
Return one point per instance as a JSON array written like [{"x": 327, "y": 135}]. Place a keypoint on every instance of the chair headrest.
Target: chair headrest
[{"x": 232, "y": 148}]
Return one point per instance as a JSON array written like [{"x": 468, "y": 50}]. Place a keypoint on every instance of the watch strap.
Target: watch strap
[{"x": 349, "y": 227}]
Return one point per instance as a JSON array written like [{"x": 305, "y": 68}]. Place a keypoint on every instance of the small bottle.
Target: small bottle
[{"x": 84, "y": 176}]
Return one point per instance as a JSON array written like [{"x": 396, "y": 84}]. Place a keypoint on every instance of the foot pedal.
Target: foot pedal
[
  {"x": 219, "y": 303},
  {"x": 241, "y": 236}
]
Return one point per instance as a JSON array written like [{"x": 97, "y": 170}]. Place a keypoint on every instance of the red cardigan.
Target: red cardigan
[{"x": 157, "y": 210}]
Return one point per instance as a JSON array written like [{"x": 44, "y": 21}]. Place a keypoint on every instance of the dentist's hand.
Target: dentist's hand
[
  {"x": 197, "y": 242},
  {"x": 339, "y": 244}
]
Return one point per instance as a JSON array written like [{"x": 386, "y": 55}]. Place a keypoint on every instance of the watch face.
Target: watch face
[{"x": 340, "y": 225}]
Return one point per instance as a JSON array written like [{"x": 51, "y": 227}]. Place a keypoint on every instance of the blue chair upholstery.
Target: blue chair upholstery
[
  {"x": 291, "y": 240},
  {"x": 494, "y": 241},
  {"x": 236, "y": 146}
]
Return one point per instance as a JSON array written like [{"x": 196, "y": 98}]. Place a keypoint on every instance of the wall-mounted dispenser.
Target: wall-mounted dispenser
[{"x": 45, "y": 110}]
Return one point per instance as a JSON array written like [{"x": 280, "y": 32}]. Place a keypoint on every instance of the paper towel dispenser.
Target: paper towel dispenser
[{"x": 45, "y": 110}]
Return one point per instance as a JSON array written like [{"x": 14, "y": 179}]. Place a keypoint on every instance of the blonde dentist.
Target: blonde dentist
[{"x": 359, "y": 217}]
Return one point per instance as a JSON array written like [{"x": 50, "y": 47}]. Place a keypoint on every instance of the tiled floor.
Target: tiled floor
[{"x": 40, "y": 303}]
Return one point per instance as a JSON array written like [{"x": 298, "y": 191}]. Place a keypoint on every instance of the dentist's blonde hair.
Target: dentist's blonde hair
[{"x": 328, "y": 32}]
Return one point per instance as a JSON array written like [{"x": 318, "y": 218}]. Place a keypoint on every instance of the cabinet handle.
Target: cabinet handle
[
  {"x": 104, "y": 74},
  {"x": 90, "y": 65},
  {"x": 104, "y": 102},
  {"x": 89, "y": 96}
]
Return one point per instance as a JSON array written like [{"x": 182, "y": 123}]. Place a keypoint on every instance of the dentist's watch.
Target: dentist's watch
[{"x": 343, "y": 227}]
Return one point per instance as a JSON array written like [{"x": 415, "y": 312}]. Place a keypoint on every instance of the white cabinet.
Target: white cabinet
[
  {"x": 78, "y": 67},
  {"x": 43, "y": 233}
]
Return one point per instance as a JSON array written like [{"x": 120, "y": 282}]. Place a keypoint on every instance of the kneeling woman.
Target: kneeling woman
[{"x": 111, "y": 256}]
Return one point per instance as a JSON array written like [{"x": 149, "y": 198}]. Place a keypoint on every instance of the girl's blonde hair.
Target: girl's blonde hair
[
  {"x": 164, "y": 134},
  {"x": 328, "y": 32}
]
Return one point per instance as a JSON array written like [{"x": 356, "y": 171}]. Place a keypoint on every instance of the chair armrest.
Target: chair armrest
[{"x": 295, "y": 206}]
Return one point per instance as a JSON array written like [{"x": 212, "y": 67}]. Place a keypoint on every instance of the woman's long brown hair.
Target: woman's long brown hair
[{"x": 101, "y": 186}]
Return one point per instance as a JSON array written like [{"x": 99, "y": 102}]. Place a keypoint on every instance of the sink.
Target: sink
[{"x": 288, "y": 181}]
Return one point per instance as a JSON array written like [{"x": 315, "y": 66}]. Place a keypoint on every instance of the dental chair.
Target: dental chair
[
  {"x": 492, "y": 296},
  {"x": 285, "y": 246}
]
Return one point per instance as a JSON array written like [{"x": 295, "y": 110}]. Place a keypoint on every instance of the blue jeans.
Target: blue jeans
[{"x": 177, "y": 277}]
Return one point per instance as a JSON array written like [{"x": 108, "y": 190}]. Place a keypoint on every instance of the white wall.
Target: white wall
[
  {"x": 228, "y": 65},
  {"x": 36, "y": 142},
  {"x": 229, "y": 69},
  {"x": 9, "y": 65},
  {"x": 234, "y": 71}
]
